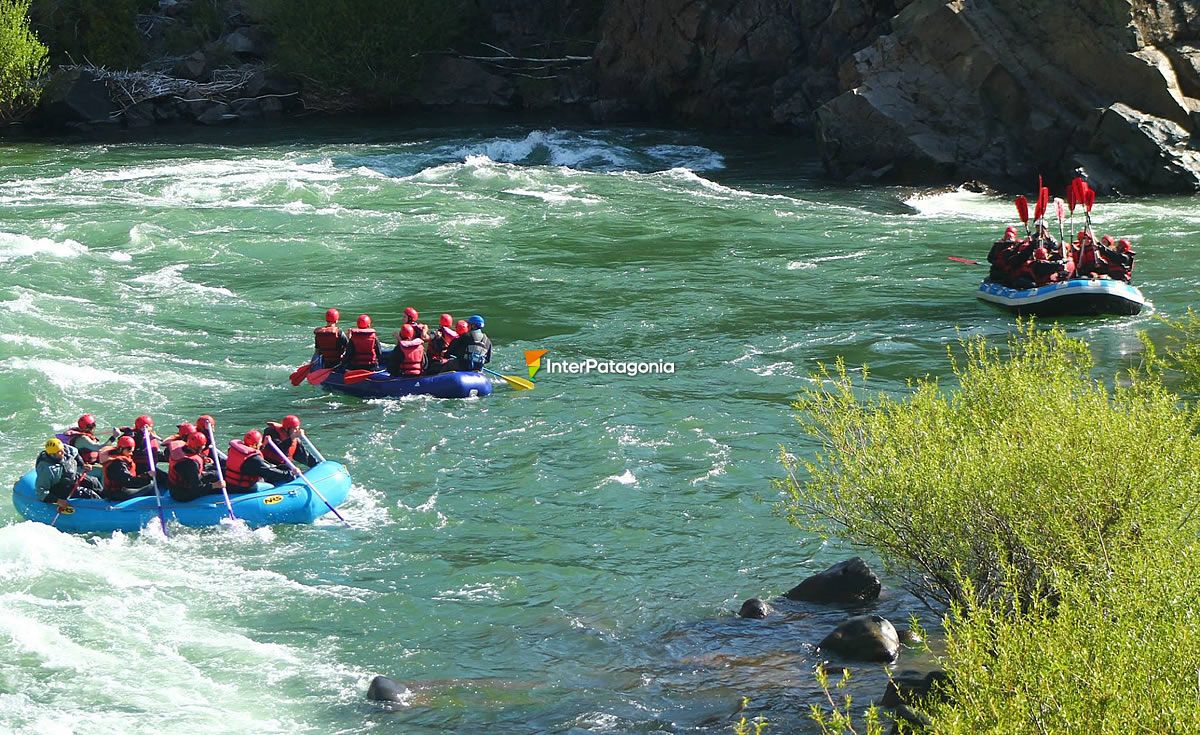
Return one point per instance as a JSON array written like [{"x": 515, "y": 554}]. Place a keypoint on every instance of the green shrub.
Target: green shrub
[
  {"x": 1182, "y": 349},
  {"x": 368, "y": 49},
  {"x": 22, "y": 61},
  {"x": 1030, "y": 467},
  {"x": 102, "y": 32}
]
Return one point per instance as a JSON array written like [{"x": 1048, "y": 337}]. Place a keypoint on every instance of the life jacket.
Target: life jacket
[
  {"x": 1090, "y": 261},
  {"x": 364, "y": 343},
  {"x": 475, "y": 353},
  {"x": 234, "y": 476},
  {"x": 89, "y": 456},
  {"x": 182, "y": 456},
  {"x": 139, "y": 450},
  {"x": 328, "y": 345},
  {"x": 109, "y": 484},
  {"x": 440, "y": 343},
  {"x": 275, "y": 432},
  {"x": 412, "y": 356}
]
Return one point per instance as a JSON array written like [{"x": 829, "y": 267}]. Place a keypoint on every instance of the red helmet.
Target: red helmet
[
  {"x": 186, "y": 429},
  {"x": 1041, "y": 253},
  {"x": 406, "y": 332},
  {"x": 205, "y": 422},
  {"x": 462, "y": 327},
  {"x": 1010, "y": 230},
  {"x": 86, "y": 422},
  {"x": 364, "y": 321},
  {"x": 331, "y": 316},
  {"x": 1125, "y": 245},
  {"x": 290, "y": 422},
  {"x": 410, "y": 314},
  {"x": 1107, "y": 239},
  {"x": 446, "y": 320},
  {"x": 197, "y": 441},
  {"x": 125, "y": 442},
  {"x": 143, "y": 422},
  {"x": 252, "y": 438}
]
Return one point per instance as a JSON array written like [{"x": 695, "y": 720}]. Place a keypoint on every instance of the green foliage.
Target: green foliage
[
  {"x": 1030, "y": 474},
  {"x": 839, "y": 719},
  {"x": 1112, "y": 657},
  {"x": 22, "y": 60},
  {"x": 1182, "y": 351},
  {"x": 203, "y": 21},
  {"x": 370, "y": 49},
  {"x": 103, "y": 32}
]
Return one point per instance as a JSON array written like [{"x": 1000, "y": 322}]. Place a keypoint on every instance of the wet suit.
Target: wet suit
[
  {"x": 190, "y": 481},
  {"x": 120, "y": 482},
  {"x": 469, "y": 351}
]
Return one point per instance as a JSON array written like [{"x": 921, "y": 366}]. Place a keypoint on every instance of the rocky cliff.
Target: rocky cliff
[
  {"x": 927, "y": 90},
  {"x": 909, "y": 90}
]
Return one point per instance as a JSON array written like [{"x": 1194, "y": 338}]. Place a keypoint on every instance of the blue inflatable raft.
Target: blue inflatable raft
[
  {"x": 1077, "y": 297},
  {"x": 384, "y": 385},
  {"x": 291, "y": 502}
]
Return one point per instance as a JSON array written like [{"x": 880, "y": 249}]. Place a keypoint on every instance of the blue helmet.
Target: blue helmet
[{"x": 475, "y": 322}]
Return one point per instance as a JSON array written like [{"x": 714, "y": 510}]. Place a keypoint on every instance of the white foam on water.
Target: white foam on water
[
  {"x": 964, "y": 204},
  {"x": 15, "y": 245},
  {"x": 69, "y": 375},
  {"x": 142, "y": 635},
  {"x": 625, "y": 478},
  {"x": 555, "y": 195},
  {"x": 171, "y": 279},
  {"x": 693, "y": 157}
]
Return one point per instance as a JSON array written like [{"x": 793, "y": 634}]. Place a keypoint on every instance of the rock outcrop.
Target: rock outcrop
[
  {"x": 864, "y": 638},
  {"x": 927, "y": 90},
  {"x": 847, "y": 582}
]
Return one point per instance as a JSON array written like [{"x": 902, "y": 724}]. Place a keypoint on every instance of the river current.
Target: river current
[{"x": 563, "y": 560}]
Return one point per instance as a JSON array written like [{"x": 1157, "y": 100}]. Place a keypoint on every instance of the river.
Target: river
[{"x": 563, "y": 560}]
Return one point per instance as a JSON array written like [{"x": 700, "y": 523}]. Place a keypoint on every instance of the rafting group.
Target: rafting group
[
  {"x": 1040, "y": 260},
  {"x": 78, "y": 464}
]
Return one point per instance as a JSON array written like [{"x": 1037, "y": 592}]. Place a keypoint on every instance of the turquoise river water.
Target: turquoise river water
[{"x": 564, "y": 560}]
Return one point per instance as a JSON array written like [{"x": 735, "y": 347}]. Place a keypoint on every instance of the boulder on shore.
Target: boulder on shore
[
  {"x": 864, "y": 638},
  {"x": 75, "y": 96},
  {"x": 850, "y": 581}
]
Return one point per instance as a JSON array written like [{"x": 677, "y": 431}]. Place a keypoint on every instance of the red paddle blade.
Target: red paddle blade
[
  {"x": 318, "y": 376},
  {"x": 1043, "y": 200},
  {"x": 968, "y": 261},
  {"x": 298, "y": 377},
  {"x": 1091, "y": 199},
  {"x": 1058, "y": 209},
  {"x": 1023, "y": 208},
  {"x": 1072, "y": 199},
  {"x": 356, "y": 376}
]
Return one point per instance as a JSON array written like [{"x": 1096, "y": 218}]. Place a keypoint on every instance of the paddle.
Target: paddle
[
  {"x": 298, "y": 377},
  {"x": 1059, "y": 209},
  {"x": 318, "y": 376},
  {"x": 1023, "y": 211},
  {"x": 69, "y": 495},
  {"x": 968, "y": 261},
  {"x": 518, "y": 383},
  {"x": 162, "y": 518},
  {"x": 1039, "y": 211},
  {"x": 212, "y": 442},
  {"x": 357, "y": 376},
  {"x": 296, "y": 471}
]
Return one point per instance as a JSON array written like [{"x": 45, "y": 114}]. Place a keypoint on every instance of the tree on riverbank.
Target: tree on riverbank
[
  {"x": 1052, "y": 514},
  {"x": 22, "y": 60}
]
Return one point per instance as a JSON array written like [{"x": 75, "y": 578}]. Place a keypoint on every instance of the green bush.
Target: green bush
[
  {"x": 1029, "y": 473},
  {"x": 1182, "y": 349},
  {"x": 102, "y": 32},
  {"x": 371, "y": 50},
  {"x": 22, "y": 61}
]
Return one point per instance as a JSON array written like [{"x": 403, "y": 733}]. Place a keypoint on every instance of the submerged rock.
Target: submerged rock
[
  {"x": 849, "y": 581},
  {"x": 383, "y": 689},
  {"x": 754, "y": 608},
  {"x": 864, "y": 638},
  {"x": 910, "y": 686}
]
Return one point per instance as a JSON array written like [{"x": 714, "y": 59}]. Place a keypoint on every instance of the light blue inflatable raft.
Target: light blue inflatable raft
[{"x": 291, "y": 502}]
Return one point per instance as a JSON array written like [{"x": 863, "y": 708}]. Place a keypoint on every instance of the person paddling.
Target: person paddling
[
  {"x": 364, "y": 352},
  {"x": 246, "y": 465},
  {"x": 144, "y": 464},
  {"x": 83, "y": 437},
  {"x": 998, "y": 255},
  {"x": 470, "y": 351},
  {"x": 440, "y": 342},
  {"x": 188, "y": 477},
  {"x": 286, "y": 435},
  {"x": 408, "y": 358},
  {"x": 59, "y": 471},
  {"x": 330, "y": 342},
  {"x": 1046, "y": 271},
  {"x": 121, "y": 478},
  {"x": 412, "y": 317}
]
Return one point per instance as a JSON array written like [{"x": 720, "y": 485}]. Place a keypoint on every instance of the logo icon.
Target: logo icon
[{"x": 533, "y": 358}]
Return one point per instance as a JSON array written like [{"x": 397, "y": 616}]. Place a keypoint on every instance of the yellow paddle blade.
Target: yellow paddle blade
[{"x": 518, "y": 383}]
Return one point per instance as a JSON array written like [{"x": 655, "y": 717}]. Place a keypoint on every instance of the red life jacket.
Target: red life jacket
[
  {"x": 89, "y": 456},
  {"x": 412, "y": 355},
  {"x": 182, "y": 456},
  {"x": 328, "y": 346},
  {"x": 364, "y": 343},
  {"x": 234, "y": 476},
  {"x": 139, "y": 449},
  {"x": 1089, "y": 260},
  {"x": 108, "y": 483},
  {"x": 275, "y": 432}
]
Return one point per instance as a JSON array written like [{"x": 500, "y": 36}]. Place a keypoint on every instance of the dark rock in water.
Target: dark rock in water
[
  {"x": 754, "y": 608},
  {"x": 383, "y": 689},
  {"x": 849, "y": 581},
  {"x": 76, "y": 96},
  {"x": 910, "y": 686},
  {"x": 913, "y": 721},
  {"x": 864, "y": 638}
]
